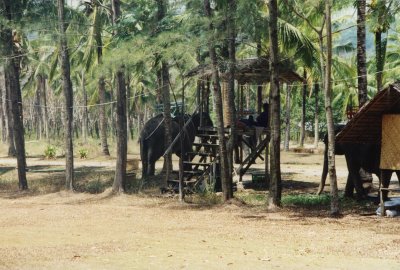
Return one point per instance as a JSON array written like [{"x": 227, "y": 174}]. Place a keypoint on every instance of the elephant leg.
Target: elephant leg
[
  {"x": 144, "y": 169},
  {"x": 151, "y": 168},
  {"x": 354, "y": 173},
  {"x": 349, "y": 189},
  {"x": 361, "y": 193},
  {"x": 386, "y": 175}
]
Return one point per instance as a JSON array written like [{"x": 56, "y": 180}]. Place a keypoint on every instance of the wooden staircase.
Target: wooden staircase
[
  {"x": 203, "y": 165},
  {"x": 204, "y": 172}
]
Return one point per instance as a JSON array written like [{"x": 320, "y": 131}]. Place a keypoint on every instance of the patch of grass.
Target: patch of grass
[
  {"x": 305, "y": 200},
  {"x": 255, "y": 199},
  {"x": 204, "y": 198}
]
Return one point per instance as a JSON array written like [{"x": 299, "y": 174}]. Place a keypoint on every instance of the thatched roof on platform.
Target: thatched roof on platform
[
  {"x": 254, "y": 70},
  {"x": 366, "y": 125}
]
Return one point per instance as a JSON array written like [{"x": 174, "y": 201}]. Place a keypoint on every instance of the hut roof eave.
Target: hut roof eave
[{"x": 366, "y": 125}]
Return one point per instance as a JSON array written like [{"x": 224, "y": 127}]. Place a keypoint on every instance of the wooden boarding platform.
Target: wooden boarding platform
[{"x": 205, "y": 157}]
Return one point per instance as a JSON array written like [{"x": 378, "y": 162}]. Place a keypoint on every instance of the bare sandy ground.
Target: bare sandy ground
[{"x": 65, "y": 230}]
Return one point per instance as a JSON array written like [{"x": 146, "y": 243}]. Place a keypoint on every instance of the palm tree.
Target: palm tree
[
  {"x": 328, "y": 111},
  {"x": 361, "y": 54},
  {"x": 275, "y": 187},
  {"x": 218, "y": 106},
  {"x": 10, "y": 11},
  {"x": 68, "y": 95},
  {"x": 122, "y": 147}
]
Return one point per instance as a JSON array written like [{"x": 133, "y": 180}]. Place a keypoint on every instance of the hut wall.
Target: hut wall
[{"x": 390, "y": 150}]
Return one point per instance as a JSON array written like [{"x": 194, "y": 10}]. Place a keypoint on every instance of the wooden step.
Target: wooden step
[
  {"x": 208, "y": 135},
  {"x": 206, "y": 144},
  {"x": 203, "y": 154},
  {"x": 197, "y": 163}
]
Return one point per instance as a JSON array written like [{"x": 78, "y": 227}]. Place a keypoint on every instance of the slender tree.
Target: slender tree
[
  {"x": 8, "y": 10},
  {"x": 275, "y": 187},
  {"x": 303, "y": 109},
  {"x": 328, "y": 111},
  {"x": 218, "y": 106},
  {"x": 122, "y": 147},
  {"x": 231, "y": 21},
  {"x": 361, "y": 54},
  {"x": 287, "y": 118},
  {"x": 68, "y": 96}
]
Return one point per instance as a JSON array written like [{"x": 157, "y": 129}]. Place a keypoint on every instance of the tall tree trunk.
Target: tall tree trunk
[
  {"x": 329, "y": 114},
  {"x": 68, "y": 95},
  {"x": 167, "y": 119},
  {"x": 218, "y": 108},
  {"x": 12, "y": 152},
  {"x": 85, "y": 127},
  {"x": 361, "y": 54},
  {"x": 231, "y": 27},
  {"x": 38, "y": 108},
  {"x": 303, "y": 110},
  {"x": 316, "y": 114},
  {"x": 45, "y": 110},
  {"x": 119, "y": 184},
  {"x": 287, "y": 118},
  {"x": 164, "y": 76},
  {"x": 11, "y": 70},
  {"x": 128, "y": 109},
  {"x": 120, "y": 168},
  {"x": 380, "y": 52},
  {"x": 3, "y": 112},
  {"x": 102, "y": 118},
  {"x": 275, "y": 187},
  {"x": 259, "y": 87}
]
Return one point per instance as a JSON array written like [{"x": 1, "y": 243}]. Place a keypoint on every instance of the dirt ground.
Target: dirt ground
[{"x": 63, "y": 230}]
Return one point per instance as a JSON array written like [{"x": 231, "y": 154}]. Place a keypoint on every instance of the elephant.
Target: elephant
[
  {"x": 358, "y": 156},
  {"x": 152, "y": 139}
]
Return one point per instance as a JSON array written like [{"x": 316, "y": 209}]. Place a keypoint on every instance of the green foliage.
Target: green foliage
[
  {"x": 83, "y": 153},
  {"x": 50, "y": 152},
  {"x": 95, "y": 186},
  {"x": 306, "y": 200}
]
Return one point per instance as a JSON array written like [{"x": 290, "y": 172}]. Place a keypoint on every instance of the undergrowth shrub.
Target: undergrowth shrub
[{"x": 50, "y": 152}]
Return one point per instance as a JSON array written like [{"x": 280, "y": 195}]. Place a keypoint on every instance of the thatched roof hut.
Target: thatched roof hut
[{"x": 366, "y": 125}]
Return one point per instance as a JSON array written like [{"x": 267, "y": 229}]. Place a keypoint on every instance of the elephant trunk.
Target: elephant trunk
[{"x": 324, "y": 171}]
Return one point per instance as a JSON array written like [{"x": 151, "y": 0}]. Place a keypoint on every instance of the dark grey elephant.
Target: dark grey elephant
[
  {"x": 358, "y": 156},
  {"x": 152, "y": 139}
]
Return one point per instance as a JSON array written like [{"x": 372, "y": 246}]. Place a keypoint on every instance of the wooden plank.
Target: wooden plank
[{"x": 390, "y": 149}]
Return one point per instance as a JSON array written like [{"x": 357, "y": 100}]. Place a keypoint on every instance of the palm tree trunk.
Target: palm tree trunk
[
  {"x": 102, "y": 118},
  {"x": 167, "y": 119},
  {"x": 380, "y": 60},
  {"x": 68, "y": 95},
  {"x": 303, "y": 110},
  {"x": 120, "y": 168},
  {"x": 85, "y": 127},
  {"x": 11, "y": 70},
  {"x": 361, "y": 54},
  {"x": 218, "y": 109},
  {"x": 128, "y": 109},
  {"x": 329, "y": 114},
  {"x": 38, "y": 108},
  {"x": 287, "y": 118},
  {"x": 12, "y": 152},
  {"x": 3, "y": 112},
  {"x": 316, "y": 114},
  {"x": 45, "y": 110},
  {"x": 231, "y": 15},
  {"x": 275, "y": 187}
]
